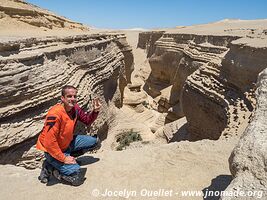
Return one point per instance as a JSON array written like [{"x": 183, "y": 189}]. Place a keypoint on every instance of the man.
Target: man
[{"x": 59, "y": 143}]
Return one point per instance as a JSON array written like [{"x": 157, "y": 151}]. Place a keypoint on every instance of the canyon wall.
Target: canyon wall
[
  {"x": 33, "y": 70},
  {"x": 211, "y": 79},
  {"x": 248, "y": 159},
  {"x": 208, "y": 78}
]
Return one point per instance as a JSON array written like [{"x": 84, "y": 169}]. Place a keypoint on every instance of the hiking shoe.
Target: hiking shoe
[
  {"x": 46, "y": 172},
  {"x": 56, "y": 174},
  {"x": 74, "y": 179}
]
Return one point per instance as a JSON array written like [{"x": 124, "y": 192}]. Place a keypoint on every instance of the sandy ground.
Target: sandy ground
[{"x": 172, "y": 167}]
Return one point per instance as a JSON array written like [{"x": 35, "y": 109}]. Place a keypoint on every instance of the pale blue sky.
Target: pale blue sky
[{"x": 118, "y": 14}]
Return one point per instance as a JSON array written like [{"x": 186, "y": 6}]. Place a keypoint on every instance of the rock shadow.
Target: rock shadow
[
  {"x": 181, "y": 134},
  {"x": 218, "y": 184},
  {"x": 103, "y": 132},
  {"x": 9, "y": 53},
  {"x": 15, "y": 153}
]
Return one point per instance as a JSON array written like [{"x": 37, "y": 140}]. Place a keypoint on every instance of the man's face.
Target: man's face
[{"x": 69, "y": 99}]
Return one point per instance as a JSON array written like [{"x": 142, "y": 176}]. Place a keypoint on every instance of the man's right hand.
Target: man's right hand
[
  {"x": 69, "y": 160},
  {"x": 96, "y": 104}
]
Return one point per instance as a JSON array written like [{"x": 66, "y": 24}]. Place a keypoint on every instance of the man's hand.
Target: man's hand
[
  {"x": 96, "y": 105},
  {"x": 69, "y": 160}
]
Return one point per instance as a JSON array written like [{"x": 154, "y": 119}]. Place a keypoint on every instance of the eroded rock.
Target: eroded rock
[
  {"x": 248, "y": 159},
  {"x": 32, "y": 75},
  {"x": 209, "y": 76}
]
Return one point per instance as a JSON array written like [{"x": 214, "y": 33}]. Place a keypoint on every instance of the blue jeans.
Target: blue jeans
[{"x": 79, "y": 142}]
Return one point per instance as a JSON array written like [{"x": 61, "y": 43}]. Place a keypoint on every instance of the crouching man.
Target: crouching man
[{"x": 59, "y": 143}]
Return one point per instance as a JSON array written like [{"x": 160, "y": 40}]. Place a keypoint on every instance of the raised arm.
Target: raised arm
[{"x": 84, "y": 117}]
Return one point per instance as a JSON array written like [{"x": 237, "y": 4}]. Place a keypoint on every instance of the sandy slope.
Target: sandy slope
[
  {"x": 225, "y": 27},
  {"x": 176, "y": 166},
  {"x": 21, "y": 19}
]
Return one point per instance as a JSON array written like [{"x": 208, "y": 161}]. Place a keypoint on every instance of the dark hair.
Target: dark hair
[{"x": 63, "y": 91}]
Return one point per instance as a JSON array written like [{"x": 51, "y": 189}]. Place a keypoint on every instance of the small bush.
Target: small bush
[
  {"x": 145, "y": 104},
  {"x": 126, "y": 138}
]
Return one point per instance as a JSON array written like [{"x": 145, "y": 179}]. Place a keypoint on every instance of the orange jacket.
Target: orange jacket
[{"x": 57, "y": 132}]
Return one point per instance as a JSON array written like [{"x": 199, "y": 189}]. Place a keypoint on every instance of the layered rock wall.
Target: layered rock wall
[
  {"x": 202, "y": 77},
  {"x": 242, "y": 64},
  {"x": 248, "y": 159},
  {"x": 211, "y": 80},
  {"x": 32, "y": 73},
  {"x": 229, "y": 86}
]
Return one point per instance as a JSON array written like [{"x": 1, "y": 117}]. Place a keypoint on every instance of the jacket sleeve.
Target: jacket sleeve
[
  {"x": 52, "y": 129},
  {"x": 86, "y": 118}
]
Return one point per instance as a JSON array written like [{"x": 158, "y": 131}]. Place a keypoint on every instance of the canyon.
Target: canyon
[{"x": 196, "y": 95}]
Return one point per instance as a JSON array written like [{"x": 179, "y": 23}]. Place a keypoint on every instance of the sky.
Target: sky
[{"x": 126, "y": 14}]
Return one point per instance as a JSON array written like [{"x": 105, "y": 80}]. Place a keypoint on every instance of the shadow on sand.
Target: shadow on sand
[
  {"x": 84, "y": 160},
  {"x": 217, "y": 185}
]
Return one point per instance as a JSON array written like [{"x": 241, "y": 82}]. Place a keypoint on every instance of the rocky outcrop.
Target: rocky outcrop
[
  {"x": 26, "y": 13},
  {"x": 230, "y": 90},
  {"x": 209, "y": 78},
  {"x": 248, "y": 159},
  {"x": 244, "y": 61},
  {"x": 32, "y": 72}
]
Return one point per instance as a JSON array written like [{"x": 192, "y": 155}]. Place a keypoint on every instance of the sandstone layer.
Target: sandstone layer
[
  {"x": 207, "y": 75},
  {"x": 33, "y": 70}
]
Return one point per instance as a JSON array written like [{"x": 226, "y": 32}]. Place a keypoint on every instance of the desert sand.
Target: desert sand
[{"x": 174, "y": 167}]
